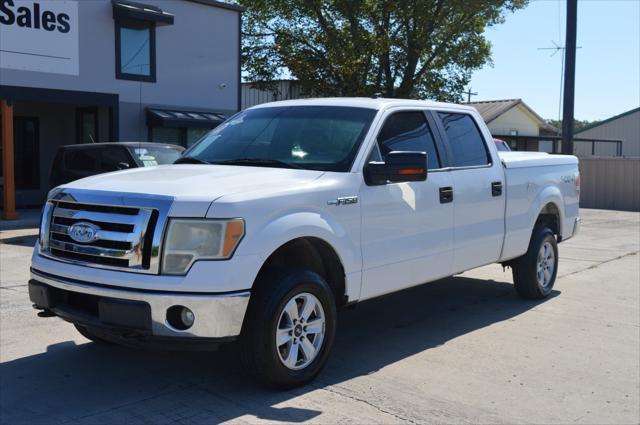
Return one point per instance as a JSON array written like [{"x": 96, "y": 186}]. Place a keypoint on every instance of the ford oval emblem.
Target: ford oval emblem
[{"x": 83, "y": 232}]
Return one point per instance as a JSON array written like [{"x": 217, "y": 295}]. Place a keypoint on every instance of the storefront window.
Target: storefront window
[
  {"x": 177, "y": 135},
  {"x": 172, "y": 135}
]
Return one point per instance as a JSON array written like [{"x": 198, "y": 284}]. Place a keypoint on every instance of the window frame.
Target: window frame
[
  {"x": 136, "y": 24},
  {"x": 447, "y": 142},
  {"x": 441, "y": 148}
]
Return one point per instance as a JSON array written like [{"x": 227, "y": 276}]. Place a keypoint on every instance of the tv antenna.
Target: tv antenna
[
  {"x": 469, "y": 93},
  {"x": 556, "y": 48}
]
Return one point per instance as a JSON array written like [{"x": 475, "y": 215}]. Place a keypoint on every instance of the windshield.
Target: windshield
[
  {"x": 323, "y": 138},
  {"x": 148, "y": 156}
]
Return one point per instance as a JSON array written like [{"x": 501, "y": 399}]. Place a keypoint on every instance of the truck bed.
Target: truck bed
[
  {"x": 528, "y": 192},
  {"x": 534, "y": 159}
]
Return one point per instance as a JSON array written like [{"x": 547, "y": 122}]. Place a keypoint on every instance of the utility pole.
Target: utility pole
[
  {"x": 469, "y": 94},
  {"x": 569, "y": 77}
]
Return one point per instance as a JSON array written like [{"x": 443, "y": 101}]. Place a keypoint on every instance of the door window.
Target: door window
[
  {"x": 467, "y": 145},
  {"x": 408, "y": 131}
]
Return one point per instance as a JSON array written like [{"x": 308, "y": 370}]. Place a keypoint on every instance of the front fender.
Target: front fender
[{"x": 284, "y": 228}]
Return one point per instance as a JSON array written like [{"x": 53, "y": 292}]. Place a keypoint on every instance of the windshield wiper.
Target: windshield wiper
[
  {"x": 190, "y": 160},
  {"x": 260, "y": 162}
]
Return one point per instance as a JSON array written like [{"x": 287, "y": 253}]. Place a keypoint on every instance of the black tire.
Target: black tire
[
  {"x": 525, "y": 268},
  {"x": 85, "y": 332},
  {"x": 257, "y": 345}
]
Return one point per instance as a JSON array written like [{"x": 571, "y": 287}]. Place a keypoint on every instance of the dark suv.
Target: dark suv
[{"x": 74, "y": 162}]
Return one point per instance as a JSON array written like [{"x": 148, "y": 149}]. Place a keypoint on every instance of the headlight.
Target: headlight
[{"x": 189, "y": 240}]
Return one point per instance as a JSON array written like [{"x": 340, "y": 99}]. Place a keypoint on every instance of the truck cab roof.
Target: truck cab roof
[{"x": 376, "y": 103}]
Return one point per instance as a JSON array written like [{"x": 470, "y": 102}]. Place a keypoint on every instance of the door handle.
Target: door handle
[
  {"x": 446, "y": 194},
  {"x": 496, "y": 188}
]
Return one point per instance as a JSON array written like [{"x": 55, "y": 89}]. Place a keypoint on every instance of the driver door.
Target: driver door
[{"x": 407, "y": 228}]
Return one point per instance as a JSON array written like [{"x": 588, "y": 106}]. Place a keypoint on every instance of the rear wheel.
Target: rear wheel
[
  {"x": 534, "y": 274},
  {"x": 289, "y": 329}
]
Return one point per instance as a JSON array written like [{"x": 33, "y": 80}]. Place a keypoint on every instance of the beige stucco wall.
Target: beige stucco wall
[{"x": 516, "y": 118}]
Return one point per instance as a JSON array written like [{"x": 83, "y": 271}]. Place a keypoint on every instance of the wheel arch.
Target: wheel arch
[
  {"x": 549, "y": 209},
  {"x": 549, "y": 216},
  {"x": 312, "y": 253}
]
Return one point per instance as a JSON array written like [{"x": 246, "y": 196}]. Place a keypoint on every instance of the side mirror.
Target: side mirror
[{"x": 398, "y": 167}]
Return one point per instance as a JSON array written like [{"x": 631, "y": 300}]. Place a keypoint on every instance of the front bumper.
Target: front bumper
[{"x": 137, "y": 312}]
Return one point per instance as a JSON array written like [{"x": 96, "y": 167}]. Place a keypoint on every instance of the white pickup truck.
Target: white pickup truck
[{"x": 288, "y": 212}]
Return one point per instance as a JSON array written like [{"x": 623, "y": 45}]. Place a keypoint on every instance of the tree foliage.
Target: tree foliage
[
  {"x": 404, "y": 48},
  {"x": 577, "y": 124}
]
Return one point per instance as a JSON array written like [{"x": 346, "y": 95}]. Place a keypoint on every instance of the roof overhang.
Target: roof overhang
[
  {"x": 178, "y": 118},
  {"x": 126, "y": 10}
]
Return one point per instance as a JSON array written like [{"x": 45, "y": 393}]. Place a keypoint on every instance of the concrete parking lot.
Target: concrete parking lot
[{"x": 461, "y": 350}]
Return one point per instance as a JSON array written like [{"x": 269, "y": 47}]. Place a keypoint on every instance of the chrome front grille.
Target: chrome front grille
[{"x": 120, "y": 237}]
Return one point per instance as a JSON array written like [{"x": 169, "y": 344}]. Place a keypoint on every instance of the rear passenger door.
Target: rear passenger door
[
  {"x": 478, "y": 192},
  {"x": 407, "y": 228}
]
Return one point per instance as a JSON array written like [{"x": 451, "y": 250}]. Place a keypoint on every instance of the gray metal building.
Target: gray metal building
[
  {"x": 625, "y": 127},
  {"x": 80, "y": 71}
]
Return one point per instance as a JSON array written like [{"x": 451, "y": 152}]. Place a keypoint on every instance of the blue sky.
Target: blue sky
[{"x": 607, "y": 65}]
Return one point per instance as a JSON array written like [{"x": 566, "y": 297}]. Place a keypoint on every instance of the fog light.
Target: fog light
[
  {"x": 180, "y": 317},
  {"x": 187, "y": 317}
]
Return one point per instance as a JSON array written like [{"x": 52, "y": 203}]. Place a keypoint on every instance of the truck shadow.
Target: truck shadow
[
  {"x": 26, "y": 240},
  {"x": 109, "y": 384}
]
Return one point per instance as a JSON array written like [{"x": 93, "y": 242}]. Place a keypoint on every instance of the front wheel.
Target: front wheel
[
  {"x": 534, "y": 274},
  {"x": 289, "y": 329}
]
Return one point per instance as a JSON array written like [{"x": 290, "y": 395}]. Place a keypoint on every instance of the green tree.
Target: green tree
[
  {"x": 577, "y": 124},
  {"x": 405, "y": 48}
]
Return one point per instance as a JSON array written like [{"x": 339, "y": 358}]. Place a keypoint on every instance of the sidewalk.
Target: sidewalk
[{"x": 27, "y": 219}]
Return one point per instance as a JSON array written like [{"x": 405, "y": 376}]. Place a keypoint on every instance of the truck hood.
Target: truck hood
[{"x": 195, "y": 183}]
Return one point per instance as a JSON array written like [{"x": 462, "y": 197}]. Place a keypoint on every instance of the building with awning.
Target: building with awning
[{"x": 107, "y": 71}]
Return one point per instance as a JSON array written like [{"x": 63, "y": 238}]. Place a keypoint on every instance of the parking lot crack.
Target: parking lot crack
[
  {"x": 595, "y": 266},
  {"x": 13, "y": 288},
  {"x": 361, "y": 400}
]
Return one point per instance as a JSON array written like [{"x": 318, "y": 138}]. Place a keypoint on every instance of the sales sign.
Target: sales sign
[{"x": 39, "y": 35}]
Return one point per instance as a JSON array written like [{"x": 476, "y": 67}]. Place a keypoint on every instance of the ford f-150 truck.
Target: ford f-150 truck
[{"x": 290, "y": 211}]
